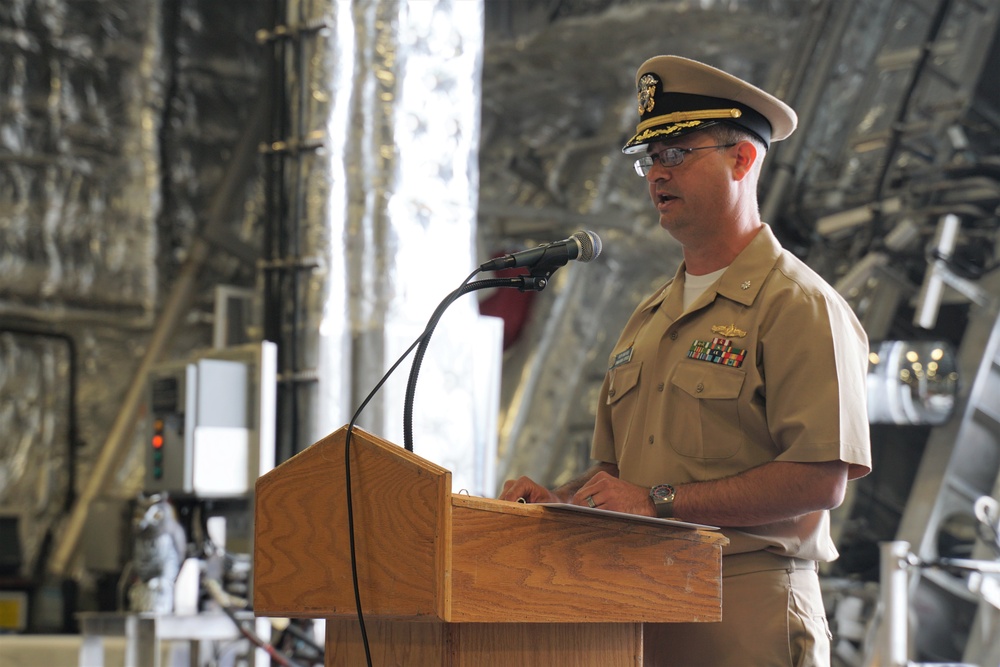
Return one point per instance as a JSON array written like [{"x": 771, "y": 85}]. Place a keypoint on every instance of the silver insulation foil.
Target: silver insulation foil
[
  {"x": 81, "y": 97},
  {"x": 117, "y": 119}
]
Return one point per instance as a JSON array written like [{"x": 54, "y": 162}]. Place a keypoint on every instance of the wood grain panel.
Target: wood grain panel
[
  {"x": 302, "y": 564},
  {"x": 531, "y": 564},
  {"x": 485, "y": 645}
]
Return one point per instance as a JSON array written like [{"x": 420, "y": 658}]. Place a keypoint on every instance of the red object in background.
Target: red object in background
[{"x": 510, "y": 305}]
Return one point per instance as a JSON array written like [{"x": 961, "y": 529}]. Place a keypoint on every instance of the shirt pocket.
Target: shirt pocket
[
  {"x": 701, "y": 414},
  {"x": 623, "y": 392}
]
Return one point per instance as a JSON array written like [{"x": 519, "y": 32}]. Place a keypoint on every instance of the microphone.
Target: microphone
[{"x": 583, "y": 246}]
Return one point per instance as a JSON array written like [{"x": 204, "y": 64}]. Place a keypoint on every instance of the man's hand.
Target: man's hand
[
  {"x": 526, "y": 489},
  {"x": 610, "y": 493}
]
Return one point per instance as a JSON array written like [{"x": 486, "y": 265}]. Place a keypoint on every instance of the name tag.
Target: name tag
[{"x": 621, "y": 358}]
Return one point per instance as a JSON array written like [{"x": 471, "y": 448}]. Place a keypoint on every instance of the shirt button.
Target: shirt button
[
  {"x": 673, "y": 335},
  {"x": 659, "y": 387},
  {"x": 699, "y": 387},
  {"x": 650, "y": 439},
  {"x": 611, "y": 393}
]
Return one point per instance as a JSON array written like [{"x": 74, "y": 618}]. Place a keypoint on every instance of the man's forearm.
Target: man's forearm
[{"x": 772, "y": 492}]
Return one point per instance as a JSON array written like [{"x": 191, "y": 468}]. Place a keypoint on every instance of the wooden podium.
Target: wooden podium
[{"x": 450, "y": 579}]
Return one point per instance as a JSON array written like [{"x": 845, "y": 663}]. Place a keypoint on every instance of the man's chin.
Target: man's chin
[
  {"x": 668, "y": 222},
  {"x": 674, "y": 227}
]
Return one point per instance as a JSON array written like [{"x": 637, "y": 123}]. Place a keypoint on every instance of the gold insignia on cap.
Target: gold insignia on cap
[
  {"x": 647, "y": 91},
  {"x": 683, "y": 116},
  {"x": 648, "y": 135},
  {"x": 729, "y": 331}
]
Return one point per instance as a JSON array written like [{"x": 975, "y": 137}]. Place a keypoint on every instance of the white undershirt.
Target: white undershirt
[{"x": 695, "y": 286}]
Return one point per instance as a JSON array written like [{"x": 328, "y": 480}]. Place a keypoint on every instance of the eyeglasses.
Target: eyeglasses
[{"x": 669, "y": 157}]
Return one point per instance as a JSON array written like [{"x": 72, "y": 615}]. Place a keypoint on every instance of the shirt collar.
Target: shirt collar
[{"x": 744, "y": 278}]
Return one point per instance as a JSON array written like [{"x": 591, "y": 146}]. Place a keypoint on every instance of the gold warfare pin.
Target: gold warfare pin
[{"x": 729, "y": 331}]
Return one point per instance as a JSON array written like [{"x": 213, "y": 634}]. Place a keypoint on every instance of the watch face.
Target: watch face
[{"x": 662, "y": 492}]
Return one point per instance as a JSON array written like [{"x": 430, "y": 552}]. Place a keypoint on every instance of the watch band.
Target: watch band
[{"x": 662, "y": 496}]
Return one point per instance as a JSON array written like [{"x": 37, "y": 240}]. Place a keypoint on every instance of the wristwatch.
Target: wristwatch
[{"x": 662, "y": 496}]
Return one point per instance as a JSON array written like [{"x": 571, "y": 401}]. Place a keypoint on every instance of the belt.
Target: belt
[{"x": 760, "y": 561}]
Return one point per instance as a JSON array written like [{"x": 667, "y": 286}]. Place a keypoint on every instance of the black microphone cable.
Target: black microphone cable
[{"x": 350, "y": 502}]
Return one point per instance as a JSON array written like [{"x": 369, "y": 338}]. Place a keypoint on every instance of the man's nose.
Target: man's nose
[{"x": 658, "y": 172}]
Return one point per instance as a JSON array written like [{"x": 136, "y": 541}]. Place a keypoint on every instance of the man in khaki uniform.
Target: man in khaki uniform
[{"x": 735, "y": 395}]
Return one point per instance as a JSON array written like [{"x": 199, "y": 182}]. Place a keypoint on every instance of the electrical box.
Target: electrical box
[{"x": 212, "y": 422}]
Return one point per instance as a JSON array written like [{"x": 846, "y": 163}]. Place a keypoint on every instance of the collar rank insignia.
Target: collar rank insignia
[{"x": 729, "y": 331}]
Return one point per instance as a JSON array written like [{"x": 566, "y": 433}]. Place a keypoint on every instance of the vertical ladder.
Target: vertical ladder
[{"x": 961, "y": 462}]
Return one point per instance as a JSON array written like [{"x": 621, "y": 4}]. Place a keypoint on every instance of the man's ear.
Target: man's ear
[{"x": 746, "y": 158}]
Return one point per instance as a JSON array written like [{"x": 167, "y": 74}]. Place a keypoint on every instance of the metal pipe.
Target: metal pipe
[
  {"x": 932, "y": 290},
  {"x": 895, "y": 584}
]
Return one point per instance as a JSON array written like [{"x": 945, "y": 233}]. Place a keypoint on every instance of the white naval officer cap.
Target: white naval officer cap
[{"x": 678, "y": 95}]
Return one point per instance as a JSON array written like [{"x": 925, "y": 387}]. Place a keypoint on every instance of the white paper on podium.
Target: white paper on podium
[{"x": 625, "y": 515}]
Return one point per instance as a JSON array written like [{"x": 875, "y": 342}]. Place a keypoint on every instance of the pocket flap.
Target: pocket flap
[{"x": 703, "y": 380}]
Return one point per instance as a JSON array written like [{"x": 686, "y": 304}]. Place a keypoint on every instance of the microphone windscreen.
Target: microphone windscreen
[{"x": 590, "y": 245}]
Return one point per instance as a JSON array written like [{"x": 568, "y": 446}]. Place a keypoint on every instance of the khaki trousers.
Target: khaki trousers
[{"x": 772, "y": 616}]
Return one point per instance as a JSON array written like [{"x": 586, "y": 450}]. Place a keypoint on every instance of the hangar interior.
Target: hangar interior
[{"x": 222, "y": 222}]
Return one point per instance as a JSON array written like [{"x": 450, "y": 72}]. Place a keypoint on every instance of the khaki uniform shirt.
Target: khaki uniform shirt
[{"x": 769, "y": 364}]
